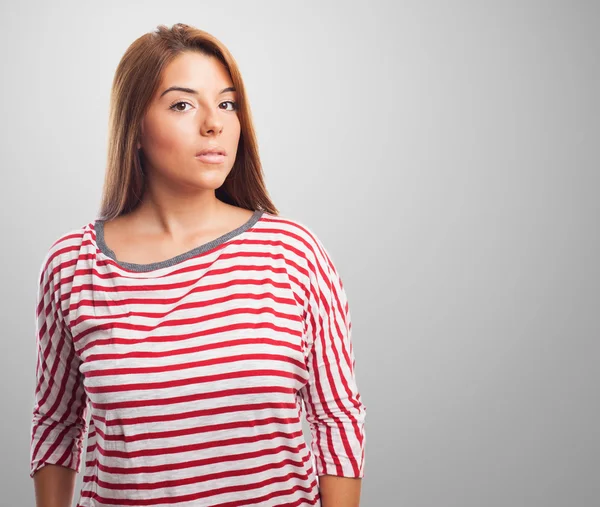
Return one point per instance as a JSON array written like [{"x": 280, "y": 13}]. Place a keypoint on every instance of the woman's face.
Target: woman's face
[{"x": 180, "y": 123}]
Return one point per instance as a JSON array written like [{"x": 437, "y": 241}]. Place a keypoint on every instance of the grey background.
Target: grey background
[{"x": 447, "y": 155}]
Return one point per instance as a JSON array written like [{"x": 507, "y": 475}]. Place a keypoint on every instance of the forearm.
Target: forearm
[
  {"x": 54, "y": 486},
  {"x": 339, "y": 491}
]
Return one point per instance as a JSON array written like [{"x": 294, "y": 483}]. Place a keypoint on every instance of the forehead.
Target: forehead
[{"x": 193, "y": 69}]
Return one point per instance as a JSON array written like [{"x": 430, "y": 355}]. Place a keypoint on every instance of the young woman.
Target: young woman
[{"x": 193, "y": 323}]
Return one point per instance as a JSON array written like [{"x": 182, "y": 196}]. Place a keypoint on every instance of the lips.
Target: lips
[
  {"x": 211, "y": 157},
  {"x": 211, "y": 151}
]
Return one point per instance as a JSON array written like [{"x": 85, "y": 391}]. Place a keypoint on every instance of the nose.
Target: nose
[{"x": 211, "y": 124}]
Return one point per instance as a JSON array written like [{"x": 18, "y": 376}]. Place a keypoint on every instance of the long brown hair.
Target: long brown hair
[{"x": 134, "y": 84}]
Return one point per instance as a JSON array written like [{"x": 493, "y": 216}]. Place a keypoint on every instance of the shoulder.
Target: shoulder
[
  {"x": 294, "y": 233},
  {"x": 58, "y": 267},
  {"x": 60, "y": 257},
  {"x": 304, "y": 250}
]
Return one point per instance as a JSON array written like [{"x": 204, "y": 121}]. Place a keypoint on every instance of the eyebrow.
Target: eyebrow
[{"x": 194, "y": 92}]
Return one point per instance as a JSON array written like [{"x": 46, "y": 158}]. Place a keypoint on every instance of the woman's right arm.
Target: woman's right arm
[
  {"x": 54, "y": 486},
  {"x": 60, "y": 403}
]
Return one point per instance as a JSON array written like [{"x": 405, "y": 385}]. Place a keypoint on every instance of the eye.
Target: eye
[
  {"x": 233, "y": 103},
  {"x": 174, "y": 108}
]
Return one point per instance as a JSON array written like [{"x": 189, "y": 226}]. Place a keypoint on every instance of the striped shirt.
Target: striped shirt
[{"x": 196, "y": 371}]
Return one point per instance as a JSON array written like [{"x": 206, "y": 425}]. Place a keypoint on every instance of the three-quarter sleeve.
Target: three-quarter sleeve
[
  {"x": 334, "y": 410},
  {"x": 60, "y": 403}
]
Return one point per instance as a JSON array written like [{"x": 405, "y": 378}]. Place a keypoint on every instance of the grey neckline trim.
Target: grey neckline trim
[{"x": 99, "y": 228}]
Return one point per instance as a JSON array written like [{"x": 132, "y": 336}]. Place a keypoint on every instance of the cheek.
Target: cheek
[
  {"x": 233, "y": 132},
  {"x": 164, "y": 139}
]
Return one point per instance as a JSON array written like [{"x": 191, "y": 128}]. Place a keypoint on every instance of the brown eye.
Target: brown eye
[
  {"x": 175, "y": 108},
  {"x": 233, "y": 103}
]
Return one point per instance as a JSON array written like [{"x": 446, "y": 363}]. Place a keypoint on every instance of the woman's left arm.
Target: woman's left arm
[
  {"x": 334, "y": 409},
  {"x": 339, "y": 491}
]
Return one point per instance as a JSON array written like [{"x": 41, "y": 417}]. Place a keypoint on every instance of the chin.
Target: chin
[{"x": 208, "y": 181}]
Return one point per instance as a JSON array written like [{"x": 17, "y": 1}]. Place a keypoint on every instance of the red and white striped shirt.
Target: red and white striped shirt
[{"x": 197, "y": 370}]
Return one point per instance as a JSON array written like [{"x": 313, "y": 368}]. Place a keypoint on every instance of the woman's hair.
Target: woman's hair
[{"x": 134, "y": 84}]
